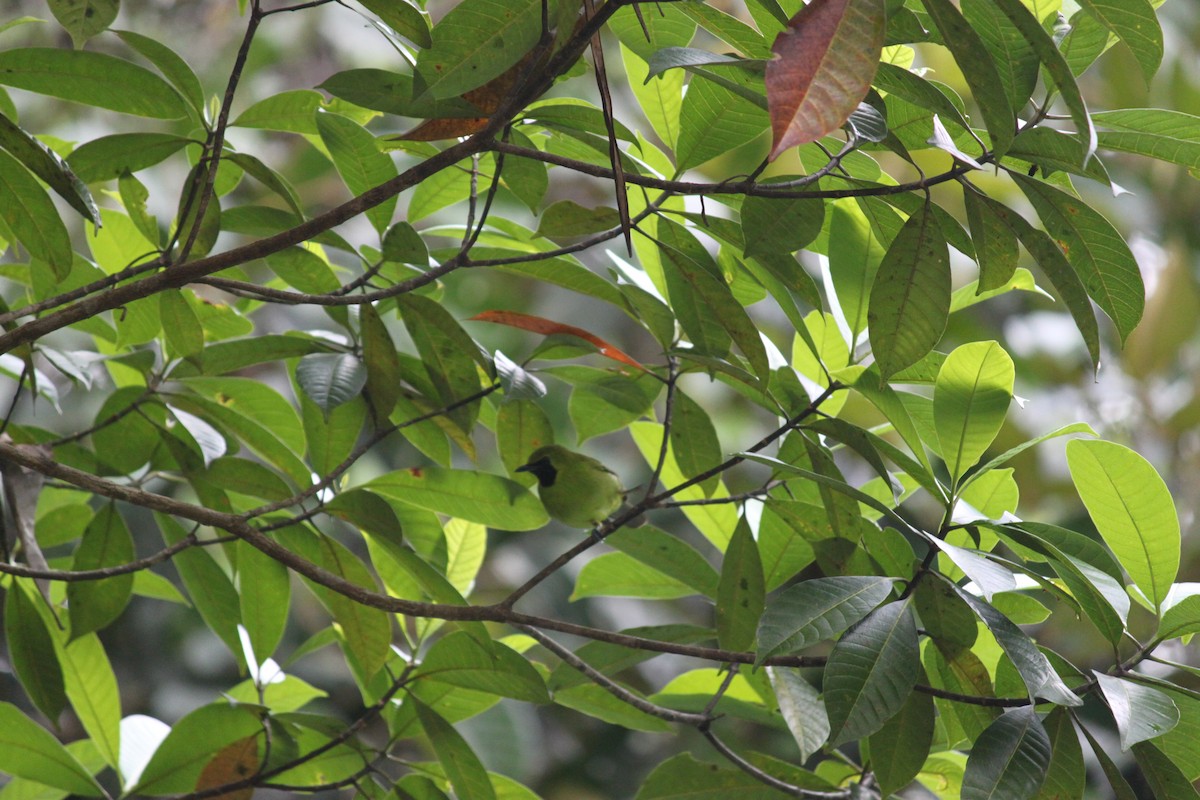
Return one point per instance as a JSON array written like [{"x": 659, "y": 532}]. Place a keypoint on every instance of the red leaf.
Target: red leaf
[
  {"x": 528, "y": 322},
  {"x": 823, "y": 67}
]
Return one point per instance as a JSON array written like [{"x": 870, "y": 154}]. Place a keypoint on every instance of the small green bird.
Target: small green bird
[{"x": 576, "y": 490}]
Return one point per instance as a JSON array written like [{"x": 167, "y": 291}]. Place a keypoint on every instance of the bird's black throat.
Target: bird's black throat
[{"x": 543, "y": 470}]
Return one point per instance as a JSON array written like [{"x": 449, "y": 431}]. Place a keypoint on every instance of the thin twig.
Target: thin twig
[
  {"x": 216, "y": 139},
  {"x": 612, "y": 687},
  {"x": 668, "y": 414}
]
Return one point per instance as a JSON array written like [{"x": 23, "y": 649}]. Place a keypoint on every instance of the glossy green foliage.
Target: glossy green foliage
[{"x": 308, "y": 355}]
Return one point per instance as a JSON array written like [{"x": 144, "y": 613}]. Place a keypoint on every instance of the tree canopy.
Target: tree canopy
[{"x": 281, "y": 328}]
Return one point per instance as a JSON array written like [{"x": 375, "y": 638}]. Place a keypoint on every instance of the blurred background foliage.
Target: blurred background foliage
[{"x": 1146, "y": 396}]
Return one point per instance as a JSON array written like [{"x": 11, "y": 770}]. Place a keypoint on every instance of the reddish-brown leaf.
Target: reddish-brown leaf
[
  {"x": 487, "y": 98},
  {"x": 233, "y": 763},
  {"x": 823, "y": 67},
  {"x": 433, "y": 130},
  {"x": 548, "y": 327}
]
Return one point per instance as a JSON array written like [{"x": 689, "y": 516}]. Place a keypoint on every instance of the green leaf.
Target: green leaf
[
  {"x": 181, "y": 326},
  {"x": 802, "y": 709},
  {"x": 1066, "y": 777},
  {"x": 816, "y": 610},
  {"x": 477, "y": 41},
  {"x": 989, "y": 577},
  {"x": 1085, "y": 42},
  {"x": 306, "y": 270},
  {"x": 1180, "y": 619},
  {"x": 740, "y": 592},
  {"x": 567, "y": 219},
  {"x": 27, "y": 750},
  {"x": 910, "y": 298},
  {"x": 463, "y": 768},
  {"x": 943, "y": 613},
  {"x": 970, "y": 402},
  {"x": 1132, "y": 509},
  {"x": 459, "y": 660},
  {"x": 966, "y": 296},
  {"x": 1095, "y": 249},
  {"x": 1035, "y": 669},
  {"x": 292, "y": 111},
  {"x": 1177, "y": 743},
  {"x": 995, "y": 244},
  {"x": 93, "y": 605},
  {"x": 690, "y": 281},
  {"x": 27, "y": 211},
  {"x": 645, "y": 34},
  {"x": 1054, "y": 151},
  {"x": 269, "y": 178},
  {"x": 688, "y": 57},
  {"x": 855, "y": 252},
  {"x": 83, "y": 19},
  {"x": 899, "y": 749},
  {"x": 264, "y": 595},
  {"x": 450, "y": 355},
  {"x": 1164, "y": 778},
  {"x": 405, "y": 19},
  {"x": 694, "y": 440},
  {"x": 360, "y": 162},
  {"x": 612, "y": 659},
  {"x": 1056, "y": 65},
  {"x": 1102, "y": 598},
  {"x": 174, "y": 68},
  {"x": 331, "y": 379},
  {"x": 466, "y": 545},
  {"x": 476, "y": 496},
  {"x": 31, "y": 648},
  {"x": 1015, "y": 61},
  {"x": 134, "y": 195},
  {"x": 1060, "y": 272},
  {"x": 871, "y": 671},
  {"x": 669, "y": 555},
  {"x": 715, "y": 522},
  {"x": 207, "y": 585},
  {"x": 714, "y": 120},
  {"x": 979, "y": 69},
  {"x": 1121, "y": 788},
  {"x": 179, "y": 759},
  {"x": 521, "y": 427},
  {"x": 958, "y": 669},
  {"x": 91, "y": 78},
  {"x": 1135, "y": 22},
  {"x": 1141, "y": 712},
  {"x": 366, "y": 631},
  {"x": 660, "y": 98},
  {"x": 597, "y": 702},
  {"x": 622, "y": 575},
  {"x": 92, "y": 689},
  {"x": 683, "y": 777},
  {"x": 1009, "y": 759},
  {"x": 202, "y": 232},
  {"x": 47, "y": 165},
  {"x": 729, "y": 29},
  {"x": 381, "y": 362},
  {"x": 1167, "y": 135},
  {"x": 108, "y": 157},
  {"x": 777, "y": 225},
  {"x": 1008, "y": 455}
]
